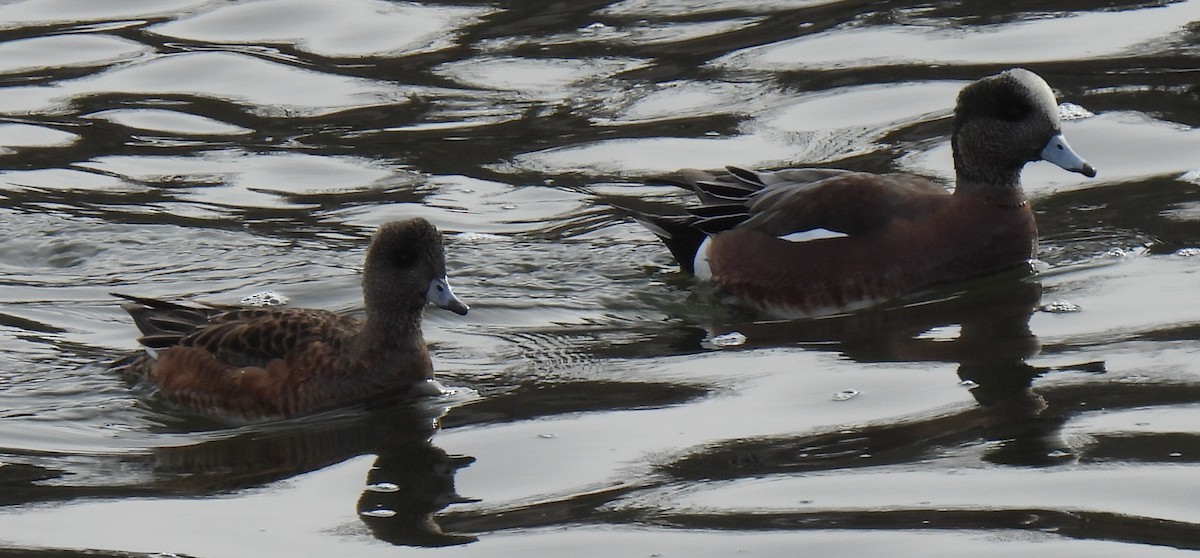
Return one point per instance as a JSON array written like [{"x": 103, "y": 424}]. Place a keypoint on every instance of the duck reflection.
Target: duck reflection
[
  {"x": 405, "y": 488},
  {"x": 984, "y": 328},
  {"x": 410, "y": 481}
]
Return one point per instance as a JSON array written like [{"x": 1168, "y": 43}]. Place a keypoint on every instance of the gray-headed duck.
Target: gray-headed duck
[{"x": 804, "y": 242}]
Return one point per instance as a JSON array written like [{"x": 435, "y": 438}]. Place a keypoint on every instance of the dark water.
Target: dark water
[{"x": 204, "y": 149}]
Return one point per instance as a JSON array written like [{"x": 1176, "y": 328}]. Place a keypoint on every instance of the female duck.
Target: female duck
[
  {"x": 804, "y": 242},
  {"x": 265, "y": 363}
]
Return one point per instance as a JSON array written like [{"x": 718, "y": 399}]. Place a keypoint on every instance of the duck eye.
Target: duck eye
[{"x": 1014, "y": 111}]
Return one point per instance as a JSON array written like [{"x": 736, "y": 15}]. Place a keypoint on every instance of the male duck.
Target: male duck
[
  {"x": 265, "y": 363},
  {"x": 806, "y": 242}
]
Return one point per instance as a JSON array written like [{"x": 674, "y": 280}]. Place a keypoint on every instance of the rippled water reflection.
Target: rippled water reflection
[{"x": 213, "y": 150}]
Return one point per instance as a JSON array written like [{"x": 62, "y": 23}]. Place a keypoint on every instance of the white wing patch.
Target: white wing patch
[
  {"x": 700, "y": 265},
  {"x": 814, "y": 234},
  {"x": 703, "y": 271}
]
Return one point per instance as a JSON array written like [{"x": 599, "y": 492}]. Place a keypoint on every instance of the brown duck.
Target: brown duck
[
  {"x": 813, "y": 241},
  {"x": 267, "y": 363}
]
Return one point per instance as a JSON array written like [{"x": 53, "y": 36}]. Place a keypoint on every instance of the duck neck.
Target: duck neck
[
  {"x": 979, "y": 170},
  {"x": 393, "y": 332},
  {"x": 1002, "y": 193},
  {"x": 393, "y": 350}
]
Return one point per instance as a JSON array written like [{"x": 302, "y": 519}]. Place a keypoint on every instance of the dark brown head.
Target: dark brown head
[
  {"x": 1002, "y": 122},
  {"x": 405, "y": 269}
]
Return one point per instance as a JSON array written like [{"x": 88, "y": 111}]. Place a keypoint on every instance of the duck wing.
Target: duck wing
[
  {"x": 234, "y": 335},
  {"x": 163, "y": 323},
  {"x": 254, "y": 337},
  {"x": 790, "y": 201}
]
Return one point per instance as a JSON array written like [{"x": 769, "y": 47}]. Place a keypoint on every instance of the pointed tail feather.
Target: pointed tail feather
[
  {"x": 723, "y": 206},
  {"x": 159, "y": 320},
  {"x": 717, "y": 192},
  {"x": 677, "y": 232},
  {"x": 748, "y": 177},
  {"x": 720, "y": 223}
]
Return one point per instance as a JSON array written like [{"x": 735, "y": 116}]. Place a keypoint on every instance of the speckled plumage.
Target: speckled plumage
[{"x": 264, "y": 363}]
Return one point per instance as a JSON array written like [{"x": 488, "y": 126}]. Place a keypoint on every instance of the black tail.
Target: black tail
[
  {"x": 723, "y": 206},
  {"x": 678, "y": 232}
]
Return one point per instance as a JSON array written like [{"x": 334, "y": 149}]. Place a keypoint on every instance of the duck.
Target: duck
[
  {"x": 804, "y": 242},
  {"x": 248, "y": 364}
]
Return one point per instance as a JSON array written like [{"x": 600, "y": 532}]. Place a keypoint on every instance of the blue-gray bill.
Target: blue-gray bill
[
  {"x": 1059, "y": 152},
  {"x": 441, "y": 295}
]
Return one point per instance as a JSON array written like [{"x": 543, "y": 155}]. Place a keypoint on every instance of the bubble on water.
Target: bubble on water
[
  {"x": 264, "y": 298},
  {"x": 1188, "y": 252},
  {"x": 1060, "y": 307},
  {"x": 1116, "y": 253},
  {"x": 1072, "y": 111},
  {"x": 845, "y": 395},
  {"x": 969, "y": 384},
  {"x": 546, "y": 436},
  {"x": 731, "y": 339}
]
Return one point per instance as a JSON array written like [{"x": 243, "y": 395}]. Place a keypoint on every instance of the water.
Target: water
[{"x": 213, "y": 150}]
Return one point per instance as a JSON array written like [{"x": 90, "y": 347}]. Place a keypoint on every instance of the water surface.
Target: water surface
[{"x": 211, "y": 150}]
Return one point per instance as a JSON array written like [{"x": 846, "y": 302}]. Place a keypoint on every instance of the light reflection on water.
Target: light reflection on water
[{"x": 214, "y": 150}]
